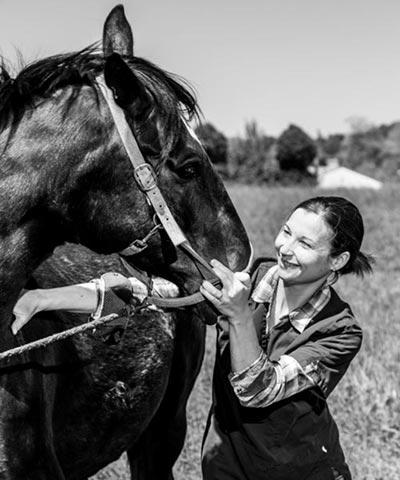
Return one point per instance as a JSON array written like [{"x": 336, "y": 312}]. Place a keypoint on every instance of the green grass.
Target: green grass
[{"x": 366, "y": 402}]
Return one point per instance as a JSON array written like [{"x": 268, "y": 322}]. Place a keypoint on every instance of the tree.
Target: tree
[
  {"x": 295, "y": 149},
  {"x": 362, "y": 148},
  {"x": 214, "y": 143},
  {"x": 330, "y": 146},
  {"x": 250, "y": 157}
]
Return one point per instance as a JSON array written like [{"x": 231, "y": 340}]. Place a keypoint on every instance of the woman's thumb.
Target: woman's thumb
[
  {"x": 18, "y": 322},
  {"x": 244, "y": 278}
]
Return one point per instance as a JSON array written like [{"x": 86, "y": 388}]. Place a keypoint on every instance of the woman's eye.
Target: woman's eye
[{"x": 305, "y": 244}]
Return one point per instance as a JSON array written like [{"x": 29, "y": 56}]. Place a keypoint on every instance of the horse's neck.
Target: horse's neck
[
  {"x": 21, "y": 251},
  {"x": 30, "y": 178}
]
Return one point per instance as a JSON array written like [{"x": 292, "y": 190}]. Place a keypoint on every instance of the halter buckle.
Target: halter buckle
[{"x": 145, "y": 177}]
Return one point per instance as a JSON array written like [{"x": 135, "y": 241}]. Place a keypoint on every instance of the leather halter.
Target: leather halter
[{"x": 146, "y": 179}]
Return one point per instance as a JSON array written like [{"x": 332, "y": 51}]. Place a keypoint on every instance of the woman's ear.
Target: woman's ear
[{"x": 338, "y": 262}]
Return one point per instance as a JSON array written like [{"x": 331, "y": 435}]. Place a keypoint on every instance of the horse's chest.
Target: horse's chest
[{"x": 117, "y": 390}]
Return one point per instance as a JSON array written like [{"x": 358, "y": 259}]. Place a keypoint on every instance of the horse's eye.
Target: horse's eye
[{"x": 189, "y": 171}]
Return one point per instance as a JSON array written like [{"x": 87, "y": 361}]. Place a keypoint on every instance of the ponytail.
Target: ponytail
[{"x": 360, "y": 264}]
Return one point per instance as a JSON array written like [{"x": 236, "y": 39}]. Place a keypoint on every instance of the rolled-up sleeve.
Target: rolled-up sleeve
[
  {"x": 253, "y": 385},
  {"x": 264, "y": 382}
]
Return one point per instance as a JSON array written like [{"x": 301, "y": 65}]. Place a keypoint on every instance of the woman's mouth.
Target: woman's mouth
[{"x": 286, "y": 264}]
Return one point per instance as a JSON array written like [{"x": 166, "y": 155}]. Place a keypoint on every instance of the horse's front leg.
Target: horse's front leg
[
  {"x": 161, "y": 444},
  {"x": 26, "y": 452},
  {"x": 26, "y": 432}
]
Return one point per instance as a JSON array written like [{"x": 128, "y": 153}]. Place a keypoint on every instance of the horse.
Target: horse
[{"x": 71, "y": 205}]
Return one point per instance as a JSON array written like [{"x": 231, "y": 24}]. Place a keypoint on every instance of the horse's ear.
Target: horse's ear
[
  {"x": 117, "y": 33},
  {"x": 122, "y": 81}
]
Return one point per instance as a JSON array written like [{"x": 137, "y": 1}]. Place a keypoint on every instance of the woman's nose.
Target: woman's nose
[{"x": 287, "y": 247}]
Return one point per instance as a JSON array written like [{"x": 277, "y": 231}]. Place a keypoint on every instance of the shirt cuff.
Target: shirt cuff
[
  {"x": 100, "y": 291},
  {"x": 254, "y": 385}
]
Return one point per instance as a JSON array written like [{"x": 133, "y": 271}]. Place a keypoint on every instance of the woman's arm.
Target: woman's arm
[
  {"x": 259, "y": 382},
  {"x": 100, "y": 297},
  {"x": 256, "y": 381},
  {"x": 80, "y": 298}
]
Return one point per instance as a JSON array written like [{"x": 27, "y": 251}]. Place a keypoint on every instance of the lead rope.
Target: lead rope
[{"x": 56, "y": 337}]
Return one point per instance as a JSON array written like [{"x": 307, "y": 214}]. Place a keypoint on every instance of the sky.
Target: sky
[{"x": 318, "y": 64}]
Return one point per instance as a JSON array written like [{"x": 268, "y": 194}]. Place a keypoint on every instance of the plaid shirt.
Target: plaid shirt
[{"x": 264, "y": 382}]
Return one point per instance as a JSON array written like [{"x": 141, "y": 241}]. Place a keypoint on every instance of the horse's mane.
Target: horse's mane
[{"x": 172, "y": 96}]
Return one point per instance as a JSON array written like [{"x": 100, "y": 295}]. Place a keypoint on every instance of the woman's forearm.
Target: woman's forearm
[
  {"x": 244, "y": 345},
  {"x": 81, "y": 298}
]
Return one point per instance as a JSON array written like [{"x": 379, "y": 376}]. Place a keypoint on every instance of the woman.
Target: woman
[{"x": 280, "y": 357}]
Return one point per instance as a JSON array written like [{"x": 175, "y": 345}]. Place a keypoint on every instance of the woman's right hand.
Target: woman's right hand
[
  {"x": 232, "y": 300},
  {"x": 25, "y": 308}
]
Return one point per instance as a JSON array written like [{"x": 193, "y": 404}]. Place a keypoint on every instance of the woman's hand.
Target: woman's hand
[
  {"x": 232, "y": 302},
  {"x": 232, "y": 299},
  {"x": 25, "y": 308}
]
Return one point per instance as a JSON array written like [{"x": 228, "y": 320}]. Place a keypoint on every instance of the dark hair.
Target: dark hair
[{"x": 345, "y": 220}]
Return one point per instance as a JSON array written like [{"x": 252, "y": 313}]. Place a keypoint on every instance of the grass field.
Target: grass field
[{"x": 366, "y": 402}]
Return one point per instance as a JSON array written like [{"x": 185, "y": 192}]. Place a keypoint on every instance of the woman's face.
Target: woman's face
[{"x": 303, "y": 248}]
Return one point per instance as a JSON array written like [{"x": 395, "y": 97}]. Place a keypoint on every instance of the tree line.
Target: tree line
[{"x": 294, "y": 156}]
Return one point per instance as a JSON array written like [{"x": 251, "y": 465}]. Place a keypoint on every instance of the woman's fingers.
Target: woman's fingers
[
  {"x": 228, "y": 277},
  {"x": 222, "y": 272},
  {"x": 234, "y": 292},
  {"x": 244, "y": 278},
  {"x": 18, "y": 323},
  {"x": 23, "y": 311},
  {"x": 210, "y": 292}
]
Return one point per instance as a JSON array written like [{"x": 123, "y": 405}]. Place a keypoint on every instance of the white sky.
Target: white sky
[{"x": 314, "y": 63}]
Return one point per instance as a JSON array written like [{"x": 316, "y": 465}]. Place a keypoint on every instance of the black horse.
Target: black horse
[{"x": 71, "y": 408}]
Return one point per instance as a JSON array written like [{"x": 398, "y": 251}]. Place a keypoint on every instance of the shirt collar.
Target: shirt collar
[{"x": 300, "y": 317}]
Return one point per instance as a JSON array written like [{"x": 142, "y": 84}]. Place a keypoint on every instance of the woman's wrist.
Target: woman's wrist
[
  {"x": 39, "y": 300},
  {"x": 240, "y": 320}
]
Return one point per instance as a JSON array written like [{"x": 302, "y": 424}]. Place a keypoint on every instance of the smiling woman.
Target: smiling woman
[
  {"x": 303, "y": 250},
  {"x": 280, "y": 355}
]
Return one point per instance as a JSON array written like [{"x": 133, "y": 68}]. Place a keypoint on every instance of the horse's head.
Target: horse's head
[
  {"x": 154, "y": 105},
  {"x": 80, "y": 170}
]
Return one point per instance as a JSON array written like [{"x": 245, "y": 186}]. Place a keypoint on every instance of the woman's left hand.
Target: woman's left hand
[
  {"x": 232, "y": 299},
  {"x": 25, "y": 308}
]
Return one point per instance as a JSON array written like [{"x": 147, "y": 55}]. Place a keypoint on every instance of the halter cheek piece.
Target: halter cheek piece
[{"x": 147, "y": 182}]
